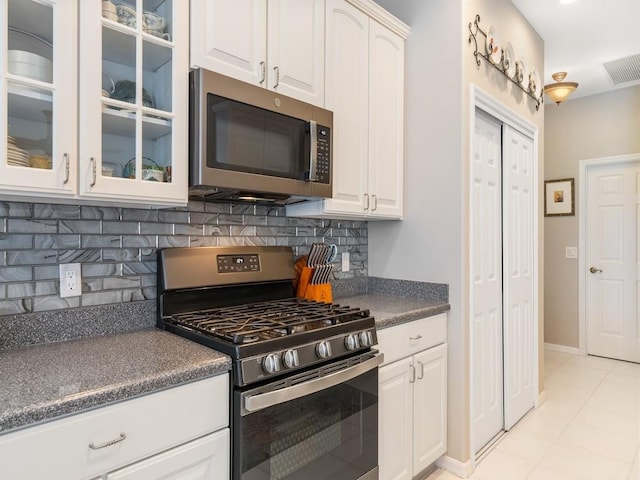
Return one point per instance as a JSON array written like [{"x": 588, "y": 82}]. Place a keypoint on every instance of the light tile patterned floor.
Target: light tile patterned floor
[{"x": 588, "y": 428}]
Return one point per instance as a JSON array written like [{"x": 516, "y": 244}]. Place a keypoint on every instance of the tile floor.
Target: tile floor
[{"x": 587, "y": 429}]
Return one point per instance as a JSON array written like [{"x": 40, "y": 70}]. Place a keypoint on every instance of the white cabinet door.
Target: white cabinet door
[
  {"x": 386, "y": 123},
  {"x": 395, "y": 406},
  {"x": 230, "y": 38},
  {"x": 204, "y": 459},
  {"x": 134, "y": 106},
  {"x": 429, "y": 407},
  {"x": 295, "y": 49},
  {"x": 38, "y": 121}
]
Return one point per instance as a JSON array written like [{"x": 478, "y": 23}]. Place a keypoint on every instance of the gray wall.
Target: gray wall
[
  {"x": 580, "y": 129},
  {"x": 116, "y": 246}
]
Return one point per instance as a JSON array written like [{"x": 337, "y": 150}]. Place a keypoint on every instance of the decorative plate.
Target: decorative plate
[
  {"x": 522, "y": 76},
  {"x": 494, "y": 53},
  {"x": 509, "y": 61},
  {"x": 534, "y": 83}
]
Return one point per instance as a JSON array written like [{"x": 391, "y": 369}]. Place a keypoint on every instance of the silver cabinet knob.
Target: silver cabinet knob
[{"x": 595, "y": 270}]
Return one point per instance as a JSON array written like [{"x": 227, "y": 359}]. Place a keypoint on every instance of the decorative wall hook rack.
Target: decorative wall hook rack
[{"x": 502, "y": 62}]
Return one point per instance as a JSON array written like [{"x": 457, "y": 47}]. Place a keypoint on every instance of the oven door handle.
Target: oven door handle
[{"x": 253, "y": 403}]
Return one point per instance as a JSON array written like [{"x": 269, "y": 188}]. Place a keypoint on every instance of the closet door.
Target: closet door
[
  {"x": 518, "y": 323},
  {"x": 486, "y": 288}
]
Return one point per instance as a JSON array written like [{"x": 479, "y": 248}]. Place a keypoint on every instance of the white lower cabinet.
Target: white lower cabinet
[
  {"x": 412, "y": 397},
  {"x": 179, "y": 433}
]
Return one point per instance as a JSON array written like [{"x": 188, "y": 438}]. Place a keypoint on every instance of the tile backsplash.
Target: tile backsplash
[{"x": 117, "y": 246}]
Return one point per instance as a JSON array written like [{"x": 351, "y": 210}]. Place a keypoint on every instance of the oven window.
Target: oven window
[
  {"x": 332, "y": 434},
  {"x": 245, "y": 138}
]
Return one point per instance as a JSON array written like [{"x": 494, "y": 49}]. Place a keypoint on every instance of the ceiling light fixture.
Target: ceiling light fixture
[{"x": 559, "y": 91}]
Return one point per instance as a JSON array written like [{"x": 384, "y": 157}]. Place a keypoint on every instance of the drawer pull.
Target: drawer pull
[
  {"x": 92, "y": 446},
  {"x": 415, "y": 338}
]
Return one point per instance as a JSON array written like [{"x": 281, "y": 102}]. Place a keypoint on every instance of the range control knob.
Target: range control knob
[
  {"x": 270, "y": 363},
  {"x": 290, "y": 358},
  {"x": 351, "y": 341},
  {"x": 365, "y": 338},
  {"x": 323, "y": 349}
]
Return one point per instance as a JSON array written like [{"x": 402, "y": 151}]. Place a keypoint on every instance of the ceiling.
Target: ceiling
[{"x": 580, "y": 37}]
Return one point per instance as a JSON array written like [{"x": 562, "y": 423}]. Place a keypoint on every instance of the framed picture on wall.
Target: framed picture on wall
[{"x": 559, "y": 197}]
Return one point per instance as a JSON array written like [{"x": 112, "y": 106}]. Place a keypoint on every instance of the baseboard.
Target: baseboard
[
  {"x": 458, "y": 468},
  {"x": 561, "y": 348},
  {"x": 542, "y": 396}
]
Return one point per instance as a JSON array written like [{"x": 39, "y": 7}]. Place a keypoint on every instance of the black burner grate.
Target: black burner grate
[{"x": 255, "y": 322}]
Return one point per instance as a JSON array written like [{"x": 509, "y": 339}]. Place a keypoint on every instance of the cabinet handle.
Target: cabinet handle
[
  {"x": 415, "y": 338},
  {"x": 263, "y": 72},
  {"x": 366, "y": 202},
  {"x": 277, "y": 70},
  {"x": 66, "y": 168},
  {"x": 413, "y": 374},
  {"x": 93, "y": 169},
  {"x": 421, "y": 374},
  {"x": 93, "y": 446},
  {"x": 375, "y": 202}
]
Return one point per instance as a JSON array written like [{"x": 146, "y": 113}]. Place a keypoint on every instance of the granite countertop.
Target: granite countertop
[
  {"x": 390, "y": 310},
  {"x": 42, "y": 382}
]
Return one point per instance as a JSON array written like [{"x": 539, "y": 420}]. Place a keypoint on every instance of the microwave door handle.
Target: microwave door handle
[
  {"x": 313, "y": 151},
  {"x": 253, "y": 403}
]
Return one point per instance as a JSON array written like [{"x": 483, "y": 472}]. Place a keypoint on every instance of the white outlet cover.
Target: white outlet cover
[
  {"x": 571, "y": 252},
  {"x": 70, "y": 280},
  {"x": 345, "y": 262}
]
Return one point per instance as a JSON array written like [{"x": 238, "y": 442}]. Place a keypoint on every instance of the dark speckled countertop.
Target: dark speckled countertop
[
  {"x": 391, "y": 310},
  {"x": 43, "y": 382}
]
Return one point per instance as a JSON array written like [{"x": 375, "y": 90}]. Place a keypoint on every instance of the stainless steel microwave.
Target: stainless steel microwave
[{"x": 249, "y": 143}]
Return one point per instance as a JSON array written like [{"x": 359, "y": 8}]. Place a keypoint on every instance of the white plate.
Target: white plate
[
  {"x": 534, "y": 83},
  {"x": 492, "y": 45},
  {"x": 509, "y": 61}
]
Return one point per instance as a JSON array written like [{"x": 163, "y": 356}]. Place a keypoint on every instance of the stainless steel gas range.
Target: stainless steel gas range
[{"x": 304, "y": 400}]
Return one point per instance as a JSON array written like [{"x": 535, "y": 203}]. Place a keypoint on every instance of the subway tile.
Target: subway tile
[
  {"x": 3, "y": 225},
  {"x": 16, "y": 209},
  {"x": 172, "y": 216},
  {"x": 111, "y": 283},
  {"x": 3, "y": 258},
  {"x": 79, "y": 256},
  {"x": 31, "y": 257},
  {"x": 10, "y": 241},
  {"x": 129, "y": 215},
  {"x": 79, "y": 226},
  {"x": 21, "y": 290},
  {"x": 204, "y": 218},
  {"x": 304, "y": 222},
  {"x": 100, "y": 213},
  {"x": 255, "y": 220},
  {"x": 101, "y": 241},
  {"x": 213, "y": 207},
  {"x": 56, "y": 211},
  {"x": 229, "y": 219},
  {"x": 230, "y": 241},
  {"x": 270, "y": 211},
  {"x": 193, "y": 206},
  {"x": 203, "y": 241},
  {"x": 138, "y": 241},
  {"x": 306, "y": 231},
  {"x": 46, "y": 288},
  {"x": 56, "y": 241},
  {"x": 121, "y": 227},
  {"x": 256, "y": 241},
  {"x": 243, "y": 231},
  {"x": 101, "y": 269},
  {"x": 13, "y": 307},
  {"x": 174, "y": 241},
  {"x": 189, "y": 229},
  {"x": 47, "y": 272},
  {"x": 148, "y": 254},
  {"x": 54, "y": 302},
  {"x": 92, "y": 284},
  {"x": 15, "y": 225},
  {"x": 104, "y": 297},
  {"x": 135, "y": 268},
  {"x": 148, "y": 281},
  {"x": 133, "y": 295},
  {"x": 217, "y": 230},
  {"x": 150, "y": 293},
  {"x": 276, "y": 221},
  {"x": 156, "y": 228},
  {"x": 242, "y": 209},
  {"x": 120, "y": 254}
]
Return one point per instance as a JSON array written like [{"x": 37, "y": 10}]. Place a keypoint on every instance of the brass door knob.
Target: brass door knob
[{"x": 595, "y": 270}]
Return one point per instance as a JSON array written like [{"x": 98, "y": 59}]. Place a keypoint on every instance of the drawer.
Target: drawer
[
  {"x": 412, "y": 337},
  {"x": 151, "y": 424}
]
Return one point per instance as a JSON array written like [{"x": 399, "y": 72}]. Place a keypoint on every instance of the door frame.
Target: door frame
[
  {"x": 583, "y": 169},
  {"x": 489, "y": 104}
]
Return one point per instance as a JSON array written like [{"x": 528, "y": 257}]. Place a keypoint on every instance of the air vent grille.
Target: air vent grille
[{"x": 624, "y": 70}]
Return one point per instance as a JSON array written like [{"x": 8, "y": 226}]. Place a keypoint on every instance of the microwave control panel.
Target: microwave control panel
[{"x": 323, "y": 165}]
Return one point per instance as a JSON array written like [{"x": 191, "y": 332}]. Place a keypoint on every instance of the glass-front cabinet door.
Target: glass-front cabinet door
[
  {"x": 38, "y": 75},
  {"x": 134, "y": 100}
]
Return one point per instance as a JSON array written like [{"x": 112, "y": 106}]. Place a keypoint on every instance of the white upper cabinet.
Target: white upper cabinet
[
  {"x": 134, "y": 102},
  {"x": 38, "y": 98},
  {"x": 128, "y": 144},
  {"x": 365, "y": 91},
  {"x": 278, "y": 44}
]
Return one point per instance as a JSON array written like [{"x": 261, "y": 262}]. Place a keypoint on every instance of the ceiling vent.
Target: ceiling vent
[{"x": 624, "y": 70}]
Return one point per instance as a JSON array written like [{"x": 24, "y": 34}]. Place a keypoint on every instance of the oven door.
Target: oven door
[{"x": 321, "y": 424}]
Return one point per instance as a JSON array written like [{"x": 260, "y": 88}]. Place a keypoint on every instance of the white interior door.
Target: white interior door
[
  {"x": 612, "y": 268},
  {"x": 518, "y": 322},
  {"x": 486, "y": 274}
]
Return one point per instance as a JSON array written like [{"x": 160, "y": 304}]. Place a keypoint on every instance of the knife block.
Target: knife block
[{"x": 304, "y": 289}]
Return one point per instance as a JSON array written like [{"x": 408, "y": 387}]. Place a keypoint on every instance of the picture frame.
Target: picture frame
[{"x": 559, "y": 197}]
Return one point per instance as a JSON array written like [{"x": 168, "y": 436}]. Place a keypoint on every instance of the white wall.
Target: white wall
[{"x": 431, "y": 243}]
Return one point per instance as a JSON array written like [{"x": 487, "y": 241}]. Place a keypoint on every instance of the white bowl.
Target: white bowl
[{"x": 30, "y": 65}]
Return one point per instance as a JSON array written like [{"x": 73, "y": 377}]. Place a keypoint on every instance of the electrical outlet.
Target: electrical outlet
[
  {"x": 571, "y": 252},
  {"x": 345, "y": 262},
  {"x": 70, "y": 280}
]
